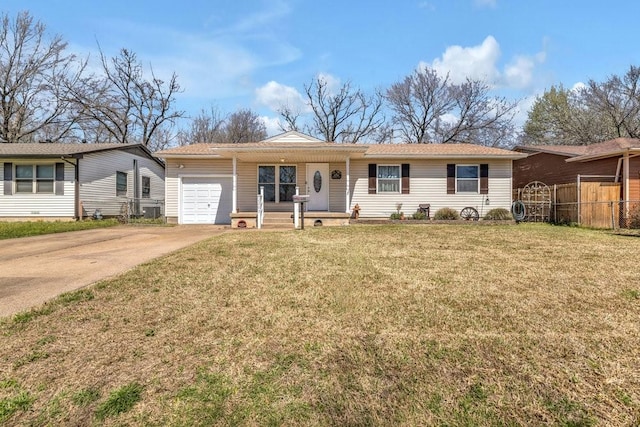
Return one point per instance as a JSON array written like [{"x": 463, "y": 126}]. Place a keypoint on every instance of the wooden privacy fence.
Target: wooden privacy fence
[{"x": 591, "y": 204}]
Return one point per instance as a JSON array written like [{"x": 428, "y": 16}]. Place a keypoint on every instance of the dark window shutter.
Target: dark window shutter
[
  {"x": 484, "y": 178},
  {"x": 373, "y": 171},
  {"x": 8, "y": 179},
  {"x": 405, "y": 178},
  {"x": 451, "y": 178},
  {"x": 59, "y": 179}
]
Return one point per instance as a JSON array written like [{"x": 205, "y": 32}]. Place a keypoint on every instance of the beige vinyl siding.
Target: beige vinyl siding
[
  {"x": 45, "y": 205},
  {"x": 98, "y": 181},
  {"x": 247, "y": 186},
  {"x": 337, "y": 188},
  {"x": 192, "y": 167},
  {"x": 428, "y": 184}
]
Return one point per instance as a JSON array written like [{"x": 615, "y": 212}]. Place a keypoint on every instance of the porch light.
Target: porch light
[{"x": 282, "y": 160}]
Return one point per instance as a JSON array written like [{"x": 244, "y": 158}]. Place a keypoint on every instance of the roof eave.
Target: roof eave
[
  {"x": 591, "y": 157},
  {"x": 445, "y": 156},
  {"x": 188, "y": 156}
]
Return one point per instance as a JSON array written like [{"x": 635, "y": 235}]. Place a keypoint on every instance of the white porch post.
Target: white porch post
[
  {"x": 234, "y": 207},
  {"x": 348, "y": 199}
]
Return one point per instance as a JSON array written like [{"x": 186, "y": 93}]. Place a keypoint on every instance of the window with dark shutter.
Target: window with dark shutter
[
  {"x": 405, "y": 178},
  {"x": 8, "y": 179},
  {"x": 373, "y": 171},
  {"x": 451, "y": 178},
  {"x": 484, "y": 178},
  {"x": 59, "y": 185}
]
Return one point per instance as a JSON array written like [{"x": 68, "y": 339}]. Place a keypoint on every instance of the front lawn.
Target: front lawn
[
  {"x": 360, "y": 325},
  {"x": 10, "y": 230}
]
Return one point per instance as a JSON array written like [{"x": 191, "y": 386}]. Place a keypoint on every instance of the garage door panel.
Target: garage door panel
[{"x": 206, "y": 200}]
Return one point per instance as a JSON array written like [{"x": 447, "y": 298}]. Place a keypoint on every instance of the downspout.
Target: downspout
[
  {"x": 76, "y": 187},
  {"x": 347, "y": 192},
  {"x": 136, "y": 187},
  {"x": 234, "y": 191}
]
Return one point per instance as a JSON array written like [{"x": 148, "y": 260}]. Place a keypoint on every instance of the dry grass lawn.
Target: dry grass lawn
[{"x": 362, "y": 325}]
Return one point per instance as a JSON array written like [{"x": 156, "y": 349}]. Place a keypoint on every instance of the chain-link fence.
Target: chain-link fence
[
  {"x": 124, "y": 209},
  {"x": 612, "y": 214}
]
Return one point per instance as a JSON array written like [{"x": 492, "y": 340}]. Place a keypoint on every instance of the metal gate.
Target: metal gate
[{"x": 536, "y": 198}]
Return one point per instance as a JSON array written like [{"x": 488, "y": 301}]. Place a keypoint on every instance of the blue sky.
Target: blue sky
[{"x": 259, "y": 53}]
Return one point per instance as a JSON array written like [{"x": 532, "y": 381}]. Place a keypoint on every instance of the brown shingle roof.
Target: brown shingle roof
[
  {"x": 369, "y": 150},
  {"x": 56, "y": 149},
  {"x": 564, "y": 150},
  {"x": 608, "y": 148},
  {"x": 438, "y": 150}
]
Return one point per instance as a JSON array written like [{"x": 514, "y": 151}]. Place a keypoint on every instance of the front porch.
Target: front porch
[{"x": 284, "y": 220}]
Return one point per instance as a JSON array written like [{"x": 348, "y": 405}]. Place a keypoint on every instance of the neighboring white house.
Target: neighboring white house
[
  {"x": 56, "y": 181},
  {"x": 219, "y": 183}
]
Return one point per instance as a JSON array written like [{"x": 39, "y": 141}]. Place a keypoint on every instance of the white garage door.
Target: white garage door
[{"x": 206, "y": 201}]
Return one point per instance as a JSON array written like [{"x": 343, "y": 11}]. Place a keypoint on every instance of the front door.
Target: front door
[{"x": 318, "y": 186}]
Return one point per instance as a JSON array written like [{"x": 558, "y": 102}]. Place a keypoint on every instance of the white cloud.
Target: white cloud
[
  {"x": 272, "y": 124},
  {"x": 475, "y": 62},
  {"x": 275, "y": 95},
  {"x": 481, "y": 62},
  {"x": 519, "y": 72}
]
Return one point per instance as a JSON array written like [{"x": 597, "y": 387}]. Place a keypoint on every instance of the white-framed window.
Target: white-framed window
[
  {"x": 146, "y": 187},
  {"x": 389, "y": 179},
  {"x": 279, "y": 182},
  {"x": 121, "y": 183},
  {"x": 467, "y": 178},
  {"x": 34, "y": 178}
]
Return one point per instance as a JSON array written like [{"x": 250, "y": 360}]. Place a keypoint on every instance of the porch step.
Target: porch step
[{"x": 277, "y": 220}]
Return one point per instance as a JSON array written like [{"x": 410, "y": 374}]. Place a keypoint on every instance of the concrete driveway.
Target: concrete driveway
[{"x": 36, "y": 269}]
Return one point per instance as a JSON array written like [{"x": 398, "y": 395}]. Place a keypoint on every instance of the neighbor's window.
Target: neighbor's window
[
  {"x": 121, "y": 184},
  {"x": 44, "y": 178},
  {"x": 279, "y": 182},
  {"x": 40, "y": 175},
  {"x": 467, "y": 178},
  {"x": 388, "y": 178},
  {"x": 146, "y": 187},
  {"x": 24, "y": 178}
]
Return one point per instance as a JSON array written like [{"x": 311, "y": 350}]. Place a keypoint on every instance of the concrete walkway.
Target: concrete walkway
[{"x": 36, "y": 269}]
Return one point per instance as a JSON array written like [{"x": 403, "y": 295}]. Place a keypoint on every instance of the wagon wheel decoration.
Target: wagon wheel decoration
[{"x": 469, "y": 214}]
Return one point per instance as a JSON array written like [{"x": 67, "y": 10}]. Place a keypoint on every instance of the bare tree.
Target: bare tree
[
  {"x": 346, "y": 115},
  {"x": 419, "y": 102},
  {"x": 35, "y": 73},
  {"x": 429, "y": 108},
  {"x": 290, "y": 116},
  {"x": 617, "y": 100},
  {"x": 244, "y": 126},
  {"x": 207, "y": 127},
  {"x": 122, "y": 104}
]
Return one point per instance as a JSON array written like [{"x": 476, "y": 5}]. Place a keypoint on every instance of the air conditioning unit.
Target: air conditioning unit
[{"x": 152, "y": 212}]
